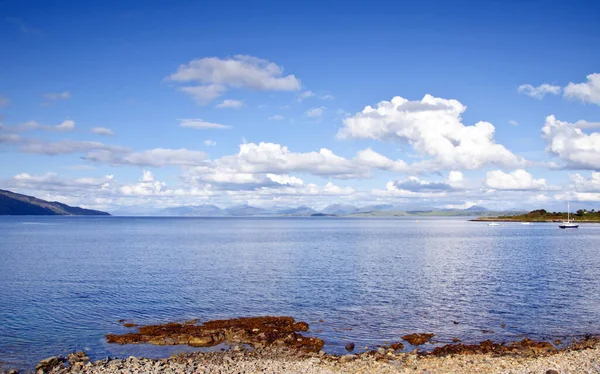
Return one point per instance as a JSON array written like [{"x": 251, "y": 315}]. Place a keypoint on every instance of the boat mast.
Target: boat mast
[{"x": 568, "y": 211}]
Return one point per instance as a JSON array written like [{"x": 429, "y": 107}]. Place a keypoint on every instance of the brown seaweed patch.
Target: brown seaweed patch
[
  {"x": 525, "y": 346},
  {"x": 418, "y": 339},
  {"x": 256, "y": 331}
]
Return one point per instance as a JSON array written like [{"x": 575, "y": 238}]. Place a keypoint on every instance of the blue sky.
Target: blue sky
[{"x": 289, "y": 85}]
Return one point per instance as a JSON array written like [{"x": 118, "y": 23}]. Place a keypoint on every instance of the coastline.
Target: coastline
[
  {"x": 283, "y": 360},
  {"x": 500, "y": 219},
  {"x": 276, "y": 345}
]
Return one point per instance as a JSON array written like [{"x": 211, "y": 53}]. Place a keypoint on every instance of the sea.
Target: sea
[{"x": 66, "y": 282}]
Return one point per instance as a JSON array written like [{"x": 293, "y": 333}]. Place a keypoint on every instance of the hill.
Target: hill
[
  {"x": 12, "y": 203},
  {"x": 541, "y": 215}
]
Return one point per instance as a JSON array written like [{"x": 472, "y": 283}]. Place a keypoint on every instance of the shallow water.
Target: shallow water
[{"x": 66, "y": 281}]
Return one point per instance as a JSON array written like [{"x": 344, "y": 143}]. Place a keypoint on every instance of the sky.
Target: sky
[{"x": 140, "y": 105}]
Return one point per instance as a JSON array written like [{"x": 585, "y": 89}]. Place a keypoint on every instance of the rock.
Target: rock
[
  {"x": 350, "y": 347},
  {"x": 551, "y": 371},
  {"x": 77, "y": 357},
  {"x": 381, "y": 351},
  {"x": 397, "y": 346},
  {"x": 13, "y": 371},
  {"x": 418, "y": 339},
  {"x": 455, "y": 322},
  {"x": 200, "y": 341},
  {"x": 455, "y": 340},
  {"x": 49, "y": 363},
  {"x": 347, "y": 358},
  {"x": 78, "y": 366}
]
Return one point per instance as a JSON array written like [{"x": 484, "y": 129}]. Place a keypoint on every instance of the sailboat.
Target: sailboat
[{"x": 569, "y": 224}]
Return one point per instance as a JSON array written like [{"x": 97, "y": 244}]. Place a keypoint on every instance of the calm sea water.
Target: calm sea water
[{"x": 66, "y": 281}]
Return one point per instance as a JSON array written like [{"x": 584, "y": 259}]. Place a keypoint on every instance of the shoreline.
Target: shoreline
[
  {"x": 499, "y": 219},
  {"x": 582, "y": 359},
  {"x": 272, "y": 344}
]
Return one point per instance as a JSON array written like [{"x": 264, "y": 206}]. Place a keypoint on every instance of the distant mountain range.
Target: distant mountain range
[
  {"x": 304, "y": 211},
  {"x": 12, "y": 203}
]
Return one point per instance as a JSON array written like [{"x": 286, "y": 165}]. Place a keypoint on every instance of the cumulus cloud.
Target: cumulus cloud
[
  {"x": 230, "y": 104},
  {"x": 210, "y": 143},
  {"x": 454, "y": 181},
  {"x": 517, "y": 180},
  {"x": 568, "y": 141},
  {"x": 276, "y": 117},
  {"x": 370, "y": 158},
  {"x": 199, "y": 124},
  {"x": 216, "y": 75},
  {"x": 271, "y": 158},
  {"x": 587, "y": 92},
  {"x": 102, "y": 131},
  {"x": 513, "y": 122},
  {"x": 157, "y": 157},
  {"x": 540, "y": 91},
  {"x": 315, "y": 112},
  {"x": 433, "y": 128},
  {"x": 583, "y": 184}
]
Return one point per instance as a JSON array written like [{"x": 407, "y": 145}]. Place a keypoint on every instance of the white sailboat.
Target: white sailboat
[{"x": 568, "y": 224}]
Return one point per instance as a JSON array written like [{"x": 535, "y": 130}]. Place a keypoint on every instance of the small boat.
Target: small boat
[
  {"x": 568, "y": 224},
  {"x": 493, "y": 224},
  {"x": 525, "y": 223}
]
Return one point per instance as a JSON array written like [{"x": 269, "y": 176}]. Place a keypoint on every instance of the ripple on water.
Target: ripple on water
[{"x": 66, "y": 281}]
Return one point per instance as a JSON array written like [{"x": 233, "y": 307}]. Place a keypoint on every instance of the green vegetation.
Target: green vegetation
[{"x": 541, "y": 215}]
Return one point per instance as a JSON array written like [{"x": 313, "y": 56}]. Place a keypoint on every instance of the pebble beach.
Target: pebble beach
[{"x": 287, "y": 361}]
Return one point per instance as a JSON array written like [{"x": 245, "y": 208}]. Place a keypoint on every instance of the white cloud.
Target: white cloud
[
  {"x": 230, "y": 104},
  {"x": 433, "y": 128},
  {"x": 147, "y": 186},
  {"x": 270, "y": 158},
  {"x": 370, "y": 158},
  {"x": 327, "y": 97},
  {"x": 540, "y": 91},
  {"x": 582, "y": 184},
  {"x": 4, "y": 101},
  {"x": 102, "y": 131},
  {"x": 57, "y": 95},
  {"x": 516, "y": 180},
  {"x": 412, "y": 184},
  {"x": 156, "y": 157},
  {"x": 52, "y": 182},
  {"x": 315, "y": 112},
  {"x": 204, "y": 94},
  {"x": 210, "y": 143},
  {"x": 67, "y": 125},
  {"x": 285, "y": 179},
  {"x": 63, "y": 147},
  {"x": 583, "y": 124},
  {"x": 305, "y": 94},
  {"x": 200, "y": 124},
  {"x": 513, "y": 122},
  {"x": 577, "y": 196},
  {"x": 238, "y": 72},
  {"x": 567, "y": 141},
  {"x": 276, "y": 117},
  {"x": 456, "y": 179},
  {"x": 588, "y": 92}
]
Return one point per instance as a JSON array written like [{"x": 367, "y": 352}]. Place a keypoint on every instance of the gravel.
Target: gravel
[{"x": 287, "y": 361}]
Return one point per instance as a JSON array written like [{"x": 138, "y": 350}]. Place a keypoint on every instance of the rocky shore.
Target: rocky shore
[
  {"x": 284, "y": 360},
  {"x": 275, "y": 345}
]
